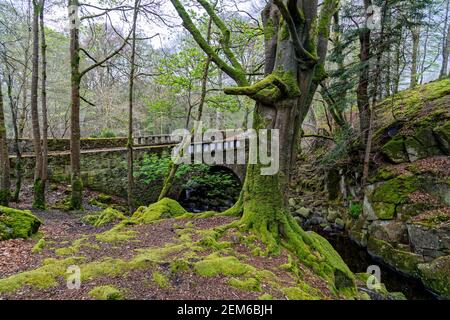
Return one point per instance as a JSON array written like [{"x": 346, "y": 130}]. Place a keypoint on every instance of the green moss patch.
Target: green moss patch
[
  {"x": 161, "y": 280},
  {"x": 250, "y": 284},
  {"x": 41, "y": 278},
  {"x": 215, "y": 265},
  {"x": 103, "y": 217},
  {"x": 117, "y": 234},
  {"x": 39, "y": 246},
  {"x": 106, "y": 293}
]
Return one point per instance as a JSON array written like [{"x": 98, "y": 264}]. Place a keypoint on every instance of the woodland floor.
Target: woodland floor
[{"x": 60, "y": 229}]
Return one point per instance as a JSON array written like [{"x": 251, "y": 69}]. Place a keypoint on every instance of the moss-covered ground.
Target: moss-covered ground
[{"x": 160, "y": 252}]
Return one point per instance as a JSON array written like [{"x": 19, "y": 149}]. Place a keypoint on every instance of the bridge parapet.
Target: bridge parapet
[{"x": 155, "y": 140}]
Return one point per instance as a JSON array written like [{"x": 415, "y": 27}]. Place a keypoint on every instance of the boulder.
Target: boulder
[
  {"x": 428, "y": 241},
  {"x": 422, "y": 145},
  {"x": 395, "y": 151},
  {"x": 389, "y": 231},
  {"x": 388, "y": 195},
  {"x": 303, "y": 212},
  {"x": 397, "y": 257},
  {"x": 292, "y": 202},
  {"x": 17, "y": 223},
  {"x": 340, "y": 223},
  {"x": 332, "y": 215},
  {"x": 442, "y": 134},
  {"x": 436, "y": 276}
]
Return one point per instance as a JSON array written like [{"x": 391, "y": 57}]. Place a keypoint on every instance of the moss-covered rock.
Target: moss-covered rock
[
  {"x": 395, "y": 150},
  {"x": 422, "y": 145},
  {"x": 436, "y": 275},
  {"x": 17, "y": 223},
  {"x": 401, "y": 260},
  {"x": 442, "y": 134},
  {"x": 163, "y": 209},
  {"x": 384, "y": 211},
  {"x": 388, "y": 195}
]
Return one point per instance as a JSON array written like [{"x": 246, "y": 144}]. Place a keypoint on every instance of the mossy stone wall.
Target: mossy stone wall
[{"x": 102, "y": 171}]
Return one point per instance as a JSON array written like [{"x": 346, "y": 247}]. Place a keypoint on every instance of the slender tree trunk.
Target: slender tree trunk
[
  {"x": 5, "y": 182},
  {"x": 39, "y": 188},
  {"x": 362, "y": 91},
  {"x": 24, "y": 108},
  {"x": 444, "y": 71},
  {"x": 130, "y": 109},
  {"x": 445, "y": 43},
  {"x": 425, "y": 46},
  {"x": 396, "y": 80},
  {"x": 13, "y": 105},
  {"x": 75, "y": 134},
  {"x": 415, "y": 32},
  {"x": 169, "y": 180},
  {"x": 44, "y": 98},
  {"x": 378, "y": 69}
]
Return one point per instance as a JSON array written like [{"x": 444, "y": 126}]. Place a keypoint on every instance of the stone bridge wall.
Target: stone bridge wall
[{"x": 103, "y": 171}]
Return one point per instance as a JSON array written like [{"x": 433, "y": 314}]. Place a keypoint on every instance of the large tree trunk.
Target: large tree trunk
[
  {"x": 263, "y": 201},
  {"x": 5, "y": 183},
  {"x": 75, "y": 134},
  {"x": 39, "y": 190},
  {"x": 295, "y": 50}
]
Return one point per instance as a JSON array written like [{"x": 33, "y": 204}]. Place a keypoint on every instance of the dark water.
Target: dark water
[
  {"x": 196, "y": 200},
  {"x": 358, "y": 260}
]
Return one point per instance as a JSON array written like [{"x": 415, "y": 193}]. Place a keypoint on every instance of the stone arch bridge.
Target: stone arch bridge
[{"x": 103, "y": 160}]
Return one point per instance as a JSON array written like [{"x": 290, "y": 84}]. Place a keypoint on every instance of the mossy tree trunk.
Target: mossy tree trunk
[
  {"x": 130, "y": 142},
  {"x": 75, "y": 135},
  {"x": 13, "y": 106},
  {"x": 38, "y": 186},
  {"x": 4, "y": 159},
  {"x": 415, "y": 33},
  {"x": 362, "y": 91},
  {"x": 44, "y": 98},
  {"x": 445, "y": 55},
  {"x": 296, "y": 39},
  {"x": 76, "y": 76}
]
